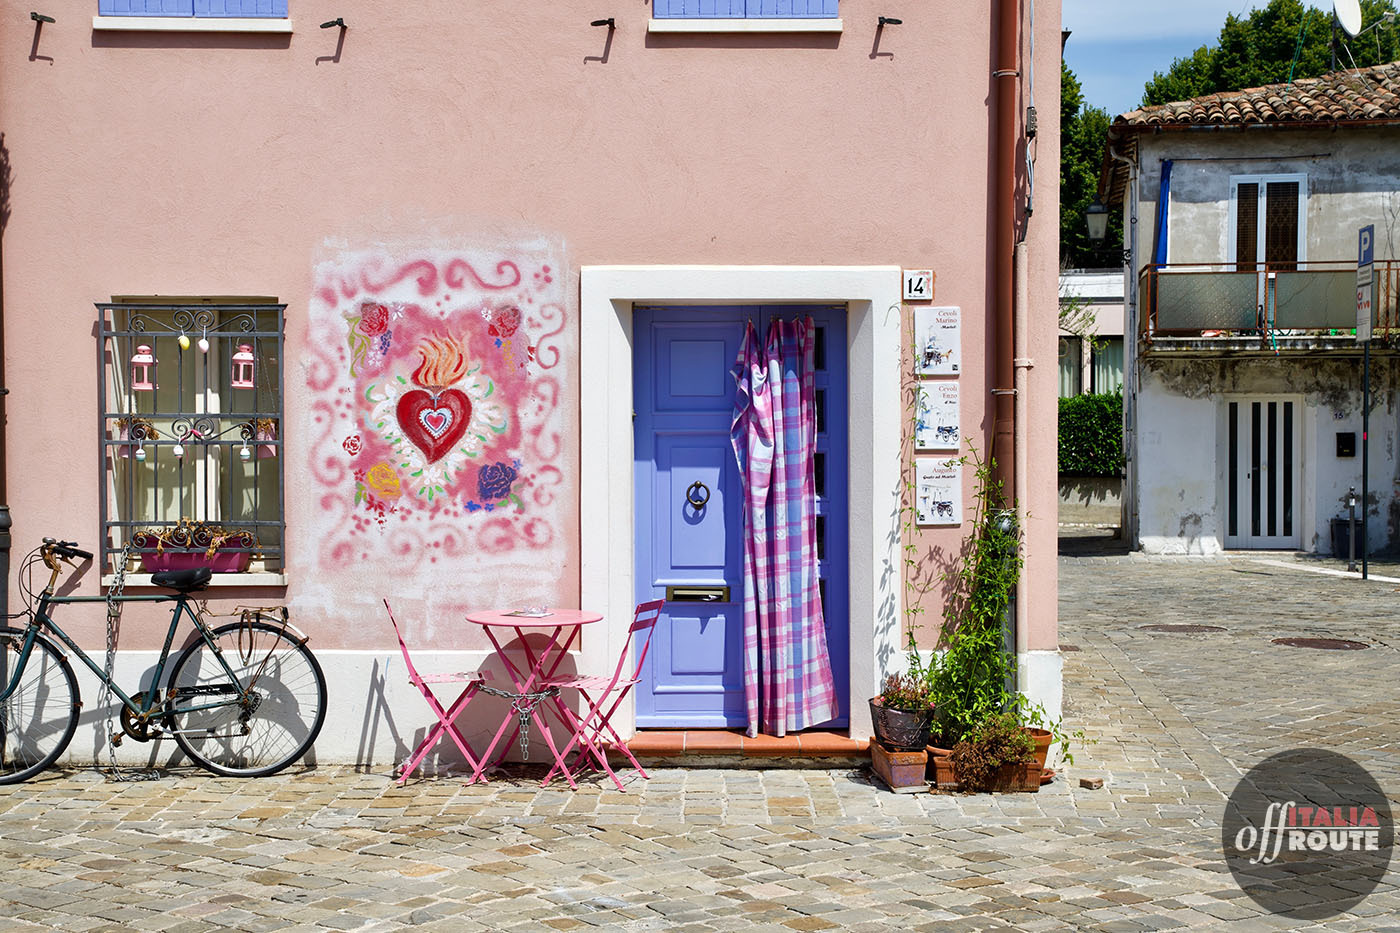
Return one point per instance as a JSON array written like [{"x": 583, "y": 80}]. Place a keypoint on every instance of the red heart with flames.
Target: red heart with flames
[{"x": 434, "y": 422}]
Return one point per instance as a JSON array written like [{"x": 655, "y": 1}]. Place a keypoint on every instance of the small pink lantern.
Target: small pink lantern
[
  {"x": 141, "y": 364},
  {"x": 243, "y": 367}
]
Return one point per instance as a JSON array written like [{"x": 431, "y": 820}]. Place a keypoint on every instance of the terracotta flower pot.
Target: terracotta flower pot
[
  {"x": 1022, "y": 778},
  {"x": 1043, "y": 740},
  {"x": 902, "y": 772},
  {"x": 940, "y": 768}
]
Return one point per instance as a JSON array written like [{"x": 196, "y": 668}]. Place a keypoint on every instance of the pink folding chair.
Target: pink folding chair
[
  {"x": 593, "y": 730},
  {"x": 446, "y": 718}
]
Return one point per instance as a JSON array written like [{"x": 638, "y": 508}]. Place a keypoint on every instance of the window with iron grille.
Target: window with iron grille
[{"x": 190, "y": 397}]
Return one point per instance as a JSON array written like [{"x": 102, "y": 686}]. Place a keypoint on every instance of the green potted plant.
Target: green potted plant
[
  {"x": 902, "y": 713},
  {"x": 1044, "y": 730}
]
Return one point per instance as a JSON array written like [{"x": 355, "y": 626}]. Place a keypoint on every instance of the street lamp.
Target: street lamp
[{"x": 1096, "y": 219}]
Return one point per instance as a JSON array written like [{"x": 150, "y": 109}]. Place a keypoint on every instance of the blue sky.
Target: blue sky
[{"x": 1118, "y": 44}]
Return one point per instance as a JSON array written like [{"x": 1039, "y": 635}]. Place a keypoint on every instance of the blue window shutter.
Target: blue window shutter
[
  {"x": 144, "y": 8},
  {"x": 791, "y": 9},
  {"x": 697, "y": 9},
  {"x": 250, "y": 8}
]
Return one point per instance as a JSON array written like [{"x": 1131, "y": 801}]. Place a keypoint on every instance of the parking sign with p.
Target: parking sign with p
[{"x": 1366, "y": 245}]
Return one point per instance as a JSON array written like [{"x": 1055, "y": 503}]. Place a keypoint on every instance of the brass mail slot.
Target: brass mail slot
[{"x": 697, "y": 594}]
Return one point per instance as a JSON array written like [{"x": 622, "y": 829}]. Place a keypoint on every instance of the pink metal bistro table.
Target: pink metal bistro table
[{"x": 528, "y": 691}]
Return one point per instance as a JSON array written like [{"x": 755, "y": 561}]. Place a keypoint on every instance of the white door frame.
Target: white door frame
[{"x": 606, "y": 476}]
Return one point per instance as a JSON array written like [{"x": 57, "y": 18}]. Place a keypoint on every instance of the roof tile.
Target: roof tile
[{"x": 1363, "y": 94}]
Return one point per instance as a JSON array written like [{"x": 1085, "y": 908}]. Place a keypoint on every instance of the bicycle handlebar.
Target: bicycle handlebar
[{"x": 67, "y": 549}]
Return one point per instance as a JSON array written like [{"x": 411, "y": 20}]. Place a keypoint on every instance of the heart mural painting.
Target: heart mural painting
[
  {"x": 434, "y": 423},
  {"x": 434, "y": 417}
]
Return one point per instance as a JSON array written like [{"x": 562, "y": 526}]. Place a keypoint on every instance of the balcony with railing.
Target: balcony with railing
[{"x": 1297, "y": 306}]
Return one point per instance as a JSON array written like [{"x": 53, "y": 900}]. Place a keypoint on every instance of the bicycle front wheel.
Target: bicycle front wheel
[
  {"x": 38, "y": 718},
  {"x": 263, "y": 718}
]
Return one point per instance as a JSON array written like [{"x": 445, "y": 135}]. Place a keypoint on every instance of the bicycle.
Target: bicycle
[{"x": 245, "y": 699}]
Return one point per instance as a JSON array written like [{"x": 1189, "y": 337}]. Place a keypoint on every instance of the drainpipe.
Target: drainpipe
[
  {"x": 1131, "y": 382},
  {"x": 1022, "y": 363},
  {"x": 1007, "y": 76}
]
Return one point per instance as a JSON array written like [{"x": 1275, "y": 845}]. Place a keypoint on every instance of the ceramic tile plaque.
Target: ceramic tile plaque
[
  {"x": 938, "y": 488},
  {"x": 938, "y": 426},
  {"x": 938, "y": 341}
]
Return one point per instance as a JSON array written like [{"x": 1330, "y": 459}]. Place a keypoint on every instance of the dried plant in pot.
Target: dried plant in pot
[
  {"x": 997, "y": 755},
  {"x": 264, "y": 430},
  {"x": 136, "y": 431},
  {"x": 191, "y": 544},
  {"x": 902, "y": 713}
]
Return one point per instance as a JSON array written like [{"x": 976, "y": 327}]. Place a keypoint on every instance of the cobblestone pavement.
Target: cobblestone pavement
[{"x": 1176, "y": 718}]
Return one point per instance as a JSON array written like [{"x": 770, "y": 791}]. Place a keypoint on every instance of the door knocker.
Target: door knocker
[{"x": 697, "y": 495}]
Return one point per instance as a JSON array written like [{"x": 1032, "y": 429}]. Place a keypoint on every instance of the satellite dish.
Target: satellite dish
[{"x": 1348, "y": 13}]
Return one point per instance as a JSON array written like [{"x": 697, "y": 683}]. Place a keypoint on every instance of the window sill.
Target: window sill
[
  {"x": 216, "y": 580},
  {"x": 692, "y": 26},
  {"x": 190, "y": 24}
]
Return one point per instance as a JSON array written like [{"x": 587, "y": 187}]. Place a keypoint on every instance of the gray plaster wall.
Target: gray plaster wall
[
  {"x": 1352, "y": 180},
  {"x": 1183, "y": 445}
]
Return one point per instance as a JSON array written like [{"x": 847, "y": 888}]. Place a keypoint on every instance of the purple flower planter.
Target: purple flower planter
[{"x": 173, "y": 559}]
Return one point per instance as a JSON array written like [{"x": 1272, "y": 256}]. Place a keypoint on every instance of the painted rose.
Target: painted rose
[
  {"x": 383, "y": 481},
  {"x": 494, "y": 480},
  {"x": 374, "y": 318},
  {"x": 352, "y": 445},
  {"x": 504, "y": 321}
]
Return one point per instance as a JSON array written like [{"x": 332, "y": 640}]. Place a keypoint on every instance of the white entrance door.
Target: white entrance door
[{"x": 1262, "y": 492}]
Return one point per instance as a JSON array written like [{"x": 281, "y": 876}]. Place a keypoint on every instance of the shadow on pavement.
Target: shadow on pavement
[{"x": 1091, "y": 541}]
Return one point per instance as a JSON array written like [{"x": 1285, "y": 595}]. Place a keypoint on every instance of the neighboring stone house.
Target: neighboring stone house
[{"x": 1243, "y": 405}]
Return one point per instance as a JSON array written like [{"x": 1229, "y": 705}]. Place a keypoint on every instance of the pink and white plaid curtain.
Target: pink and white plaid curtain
[{"x": 787, "y": 672}]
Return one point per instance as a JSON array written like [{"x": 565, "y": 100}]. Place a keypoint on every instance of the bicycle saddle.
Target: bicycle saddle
[{"x": 183, "y": 580}]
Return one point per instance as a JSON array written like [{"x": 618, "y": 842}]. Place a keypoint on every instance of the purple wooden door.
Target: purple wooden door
[{"x": 684, "y": 405}]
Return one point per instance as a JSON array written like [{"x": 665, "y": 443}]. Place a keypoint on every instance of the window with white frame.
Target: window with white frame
[
  {"x": 1071, "y": 377},
  {"x": 1268, "y": 222},
  {"x": 191, "y": 412},
  {"x": 744, "y": 9}
]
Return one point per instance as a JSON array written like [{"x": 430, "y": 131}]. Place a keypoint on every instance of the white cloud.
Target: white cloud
[{"x": 1130, "y": 20}]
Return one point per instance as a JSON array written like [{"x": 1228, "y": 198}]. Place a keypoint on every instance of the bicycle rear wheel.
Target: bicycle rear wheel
[
  {"x": 259, "y": 723},
  {"x": 36, "y": 720}
]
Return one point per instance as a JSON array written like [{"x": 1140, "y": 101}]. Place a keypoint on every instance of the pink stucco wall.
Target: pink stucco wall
[{"x": 187, "y": 163}]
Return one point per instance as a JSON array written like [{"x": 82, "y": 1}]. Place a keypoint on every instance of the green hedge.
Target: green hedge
[{"x": 1091, "y": 434}]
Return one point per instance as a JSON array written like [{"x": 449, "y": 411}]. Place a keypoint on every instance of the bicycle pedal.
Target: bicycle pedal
[{"x": 117, "y": 740}]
